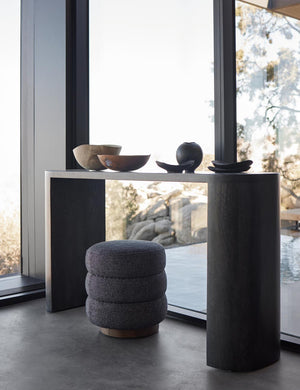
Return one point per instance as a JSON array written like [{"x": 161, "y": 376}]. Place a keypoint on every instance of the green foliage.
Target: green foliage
[
  {"x": 268, "y": 76},
  {"x": 130, "y": 197},
  {"x": 121, "y": 207},
  {"x": 10, "y": 246},
  {"x": 115, "y": 216},
  {"x": 243, "y": 146}
]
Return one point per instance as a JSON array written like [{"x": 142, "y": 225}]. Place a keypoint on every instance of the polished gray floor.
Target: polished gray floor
[{"x": 59, "y": 351}]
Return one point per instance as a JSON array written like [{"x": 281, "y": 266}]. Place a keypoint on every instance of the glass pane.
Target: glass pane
[
  {"x": 268, "y": 85},
  {"x": 151, "y": 76},
  {"x": 151, "y": 89},
  {"x": 10, "y": 137},
  {"x": 174, "y": 215}
]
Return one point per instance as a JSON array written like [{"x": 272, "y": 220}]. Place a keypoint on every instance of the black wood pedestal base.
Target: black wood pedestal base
[
  {"x": 243, "y": 308},
  {"x": 77, "y": 221}
]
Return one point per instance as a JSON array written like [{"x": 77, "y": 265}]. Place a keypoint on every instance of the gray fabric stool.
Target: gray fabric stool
[{"x": 126, "y": 284}]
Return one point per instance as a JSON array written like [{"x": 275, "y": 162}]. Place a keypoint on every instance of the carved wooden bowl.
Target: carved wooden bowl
[{"x": 86, "y": 155}]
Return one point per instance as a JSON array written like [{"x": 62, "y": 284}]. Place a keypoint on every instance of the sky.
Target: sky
[
  {"x": 151, "y": 76},
  {"x": 151, "y": 81}
]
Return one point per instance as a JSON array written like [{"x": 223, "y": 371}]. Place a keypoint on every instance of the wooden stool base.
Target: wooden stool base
[{"x": 130, "y": 334}]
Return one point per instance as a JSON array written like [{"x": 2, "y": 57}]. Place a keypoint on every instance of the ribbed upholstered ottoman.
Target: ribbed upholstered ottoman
[{"x": 126, "y": 284}]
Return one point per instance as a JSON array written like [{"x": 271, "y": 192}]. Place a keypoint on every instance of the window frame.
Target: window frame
[
  {"x": 224, "y": 92},
  {"x": 43, "y": 119},
  {"x": 77, "y": 107},
  {"x": 225, "y": 118},
  {"x": 77, "y": 77}
]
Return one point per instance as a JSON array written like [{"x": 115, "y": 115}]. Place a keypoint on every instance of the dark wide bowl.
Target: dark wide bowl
[
  {"x": 123, "y": 163},
  {"x": 225, "y": 167},
  {"x": 229, "y": 170},
  {"x": 236, "y": 165}
]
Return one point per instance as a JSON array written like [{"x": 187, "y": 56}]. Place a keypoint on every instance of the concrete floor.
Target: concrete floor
[{"x": 59, "y": 351}]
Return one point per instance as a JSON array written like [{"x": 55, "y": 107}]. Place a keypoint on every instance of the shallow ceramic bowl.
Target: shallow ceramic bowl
[
  {"x": 226, "y": 165},
  {"x": 86, "y": 155},
  {"x": 123, "y": 163}
]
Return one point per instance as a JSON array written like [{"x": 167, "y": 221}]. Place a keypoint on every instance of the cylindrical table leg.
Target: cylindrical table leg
[{"x": 243, "y": 297}]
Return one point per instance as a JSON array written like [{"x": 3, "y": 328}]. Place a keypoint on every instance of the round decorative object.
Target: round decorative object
[
  {"x": 126, "y": 316},
  {"x": 126, "y": 284},
  {"x": 126, "y": 290},
  {"x": 125, "y": 259},
  {"x": 189, "y": 151}
]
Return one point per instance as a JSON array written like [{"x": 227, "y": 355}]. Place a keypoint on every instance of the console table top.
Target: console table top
[{"x": 199, "y": 177}]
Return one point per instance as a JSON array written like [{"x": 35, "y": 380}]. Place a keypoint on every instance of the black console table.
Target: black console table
[{"x": 243, "y": 297}]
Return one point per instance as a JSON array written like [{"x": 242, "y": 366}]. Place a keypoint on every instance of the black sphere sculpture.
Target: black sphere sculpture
[{"x": 189, "y": 151}]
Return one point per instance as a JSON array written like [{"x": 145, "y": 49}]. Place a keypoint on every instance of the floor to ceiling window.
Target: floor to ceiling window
[
  {"x": 151, "y": 89},
  {"x": 268, "y": 115},
  {"x": 10, "y": 137}
]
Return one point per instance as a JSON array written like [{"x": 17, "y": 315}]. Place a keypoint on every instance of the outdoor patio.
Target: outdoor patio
[{"x": 187, "y": 268}]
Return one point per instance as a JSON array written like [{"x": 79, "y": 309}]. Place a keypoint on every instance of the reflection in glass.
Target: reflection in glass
[
  {"x": 173, "y": 215},
  {"x": 268, "y": 101},
  {"x": 151, "y": 89},
  {"x": 10, "y": 137}
]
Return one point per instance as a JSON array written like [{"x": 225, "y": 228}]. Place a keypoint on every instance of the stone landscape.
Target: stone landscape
[{"x": 170, "y": 217}]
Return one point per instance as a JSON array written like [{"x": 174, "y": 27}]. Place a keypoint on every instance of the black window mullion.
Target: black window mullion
[
  {"x": 225, "y": 80},
  {"x": 77, "y": 77}
]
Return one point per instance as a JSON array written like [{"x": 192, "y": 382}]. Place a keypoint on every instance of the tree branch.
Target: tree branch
[
  {"x": 286, "y": 108},
  {"x": 292, "y": 25},
  {"x": 291, "y": 192},
  {"x": 289, "y": 179}
]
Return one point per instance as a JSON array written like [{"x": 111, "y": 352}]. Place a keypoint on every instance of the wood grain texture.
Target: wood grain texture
[
  {"x": 243, "y": 307},
  {"x": 77, "y": 221},
  {"x": 130, "y": 334}
]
